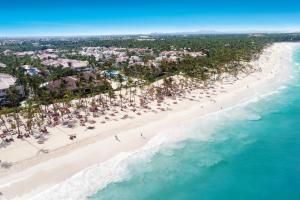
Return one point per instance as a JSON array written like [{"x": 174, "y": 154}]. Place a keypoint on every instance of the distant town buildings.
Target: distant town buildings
[
  {"x": 181, "y": 54},
  {"x": 43, "y": 55},
  {"x": 134, "y": 56}
]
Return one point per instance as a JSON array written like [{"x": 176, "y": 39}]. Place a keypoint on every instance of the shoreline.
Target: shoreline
[{"x": 64, "y": 162}]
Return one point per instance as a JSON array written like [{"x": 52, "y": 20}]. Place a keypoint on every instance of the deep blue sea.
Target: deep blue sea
[{"x": 252, "y": 153}]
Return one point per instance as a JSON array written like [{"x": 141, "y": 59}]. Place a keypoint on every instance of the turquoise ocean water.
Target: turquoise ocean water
[{"x": 253, "y": 152}]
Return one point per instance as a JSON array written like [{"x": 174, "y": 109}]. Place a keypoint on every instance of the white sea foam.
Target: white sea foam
[
  {"x": 283, "y": 87},
  {"x": 97, "y": 177}
]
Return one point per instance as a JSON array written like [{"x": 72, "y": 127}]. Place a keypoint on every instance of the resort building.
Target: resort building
[
  {"x": 6, "y": 81},
  {"x": 80, "y": 66},
  {"x": 25, "y": 53},
  {"x": 31, "y": 71},
  {"x": 2, "y": 65},
  {"x": 73, "y": 83},
  {"x": 45, "y": 56},
  {"x": 110, "y": 73},
  {"x": 77, "y": 65}
]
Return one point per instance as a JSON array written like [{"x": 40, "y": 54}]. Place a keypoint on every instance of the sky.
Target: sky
[{"x": 113, "y": 17}]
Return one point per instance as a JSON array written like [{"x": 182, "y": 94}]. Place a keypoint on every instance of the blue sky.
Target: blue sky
[{"x": 91, "y": 17}]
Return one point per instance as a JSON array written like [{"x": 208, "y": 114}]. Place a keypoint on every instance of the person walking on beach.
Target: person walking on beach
[
  {"x": 117, "y": 138},
  {"x": 142, "y": 136}
]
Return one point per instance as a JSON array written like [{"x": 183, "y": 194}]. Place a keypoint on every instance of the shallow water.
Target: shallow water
[{"x": 249, "y": 152}]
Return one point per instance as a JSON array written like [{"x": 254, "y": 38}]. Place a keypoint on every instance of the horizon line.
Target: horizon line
[{"x": 204, "y": 32}]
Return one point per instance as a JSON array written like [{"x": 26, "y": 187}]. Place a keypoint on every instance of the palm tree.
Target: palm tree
[
  {"x": 120, "y": 79},
  {"x": 34, "y": 83},
  {"x": 130, "y": 84},
  {"x": 3, "y": 116},
  {"x": 111, "y": 95},
  {"x": 29, "y": 113},
  {"x": 13, "y": 98}
]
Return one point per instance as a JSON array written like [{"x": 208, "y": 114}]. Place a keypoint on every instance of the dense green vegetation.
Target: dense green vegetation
[{"x": 224, "y": 53}]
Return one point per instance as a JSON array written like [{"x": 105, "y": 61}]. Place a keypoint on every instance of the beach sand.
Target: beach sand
[{"x": 34, "y": 171}]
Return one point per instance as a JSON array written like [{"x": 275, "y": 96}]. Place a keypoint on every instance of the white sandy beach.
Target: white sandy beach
[{"x": 33, "y": 172}]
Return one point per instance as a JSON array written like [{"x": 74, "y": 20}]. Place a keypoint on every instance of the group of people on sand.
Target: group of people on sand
[
  {"x": 118, "y": 139},
  {"x": 72, "y": 137}
]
